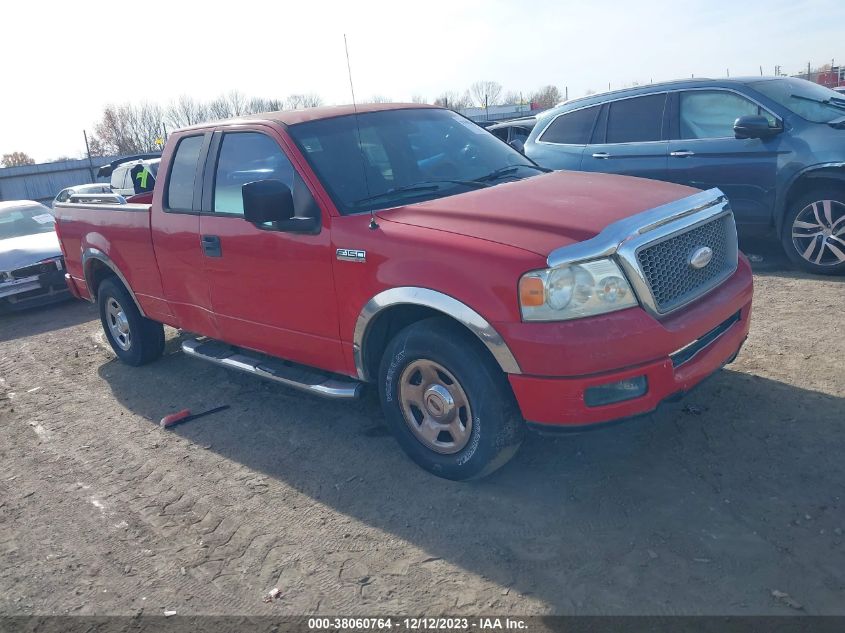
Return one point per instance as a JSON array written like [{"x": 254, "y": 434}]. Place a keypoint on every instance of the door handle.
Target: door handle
[
  {"x": 211, "y": 246},
  {"x": 604, "y": 155},
  {"x": 682, "y": 153}
]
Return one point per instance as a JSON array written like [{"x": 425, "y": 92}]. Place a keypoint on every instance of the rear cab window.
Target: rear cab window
[{"x": 179, "y": 195}]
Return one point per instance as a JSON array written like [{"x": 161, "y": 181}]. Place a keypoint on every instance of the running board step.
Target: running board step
[{"x": 301, "y": 377}]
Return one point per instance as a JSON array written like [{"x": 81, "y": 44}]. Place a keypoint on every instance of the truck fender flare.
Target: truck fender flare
[
  {"x": 89, "y": 255},
  {"x": 449, "y": 306}
]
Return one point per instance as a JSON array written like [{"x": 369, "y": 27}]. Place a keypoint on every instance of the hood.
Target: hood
[
  {"x": 17, "y": 252},
  {"x": 542, "y": 213}
]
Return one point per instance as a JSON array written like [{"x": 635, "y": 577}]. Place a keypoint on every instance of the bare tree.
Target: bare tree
[
  {"x": 485, "y": 93},
  {"x": 453, "y": 100},
  {"x": 16, "y": 159},
  {"x": 260, "y": 104},
  {"x": 186, "y": 111},
  {"x": 129, "y": 129},
  {"x": 418, "y": 99},
  {"x": 546, "y": 97},
  {"x": 299, "y": 101},
  {"x": 512, "y": 97},
  {"x": 226, "y": 106},
  {"x": 380, "y": 99}
]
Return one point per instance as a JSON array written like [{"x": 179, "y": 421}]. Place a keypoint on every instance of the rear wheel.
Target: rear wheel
[
  {"x": 446, "y": 401},
  {"x": 813, "y": 233},
  {"x": 135, "y": 339}
]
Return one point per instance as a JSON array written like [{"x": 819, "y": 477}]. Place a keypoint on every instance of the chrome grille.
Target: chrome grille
[{"x": 666, "y": 269}]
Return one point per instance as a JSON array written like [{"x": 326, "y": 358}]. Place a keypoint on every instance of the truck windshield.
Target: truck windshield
[
  {"x": 25, "y": 220},
  {"x": 806, "y": 99},
  {"x": 404, "y": 156}
]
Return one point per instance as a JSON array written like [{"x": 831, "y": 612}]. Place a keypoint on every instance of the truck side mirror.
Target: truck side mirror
[
  {"x": 754, "y": 126},
  {"x": 267, "y": 201}
]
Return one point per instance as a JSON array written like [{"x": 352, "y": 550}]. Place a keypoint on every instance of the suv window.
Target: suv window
[
  {"x": 712, "y": 113},
  {"x": 572, "y": 128},
  {"x": 183, "y": 171},
  {"x": 247, "y": 157},
  {"x": 636, "y": 120}
]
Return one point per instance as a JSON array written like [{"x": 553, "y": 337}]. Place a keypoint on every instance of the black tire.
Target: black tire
[
  {"x": 796, "y": 247},
  {"x": 145, "y": 340},
  {"x": 496, "y": 429}
]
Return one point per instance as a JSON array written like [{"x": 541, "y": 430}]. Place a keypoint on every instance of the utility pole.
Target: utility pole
[
  {"x": 88, "y": 151},
  {"x": 566, "y": 93},
  {"x": 761, "y": 71}
]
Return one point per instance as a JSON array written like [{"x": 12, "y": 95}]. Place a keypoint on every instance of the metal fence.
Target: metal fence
[{"x": 42, "y": 182}]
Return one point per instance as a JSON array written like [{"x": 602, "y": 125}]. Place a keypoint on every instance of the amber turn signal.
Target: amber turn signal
[{"x": 531, "y": 292}]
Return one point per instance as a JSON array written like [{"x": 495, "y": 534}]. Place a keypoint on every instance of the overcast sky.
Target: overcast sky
[{"x": 64, "y": 61}]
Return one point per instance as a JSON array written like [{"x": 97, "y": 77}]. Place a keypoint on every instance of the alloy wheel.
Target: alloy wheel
[{"x": 818, "y": 233}]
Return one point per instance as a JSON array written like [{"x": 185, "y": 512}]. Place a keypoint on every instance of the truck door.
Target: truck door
[
  {"x": 707, "y": 154},
  {"x": 175, "y": 233},
  {"x": 271, "y": 291},
  {"x": 629, "y": 139}
]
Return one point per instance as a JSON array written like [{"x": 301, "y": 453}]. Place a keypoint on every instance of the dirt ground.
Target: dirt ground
[{"x": 728, "y": 502}]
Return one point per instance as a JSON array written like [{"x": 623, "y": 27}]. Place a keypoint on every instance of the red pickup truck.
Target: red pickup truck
[{"x": 403, "y": 246}]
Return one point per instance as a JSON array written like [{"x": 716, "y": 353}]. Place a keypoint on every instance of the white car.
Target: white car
[
  {"x": 32, "y": 269},
  {"x": 127, "y": 181}
]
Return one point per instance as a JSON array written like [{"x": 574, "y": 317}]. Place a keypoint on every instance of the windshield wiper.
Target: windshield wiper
[
  {"x": 837, "y": 103},
  {"x": 507, "y": 171},
  {"x": 420, "y": 187}
]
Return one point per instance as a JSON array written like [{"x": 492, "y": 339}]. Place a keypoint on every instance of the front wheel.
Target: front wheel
[
  {"x": 135, "y": 339},
  {"x": 813, "y": 234},
  {"x": 448, "y": 404}
]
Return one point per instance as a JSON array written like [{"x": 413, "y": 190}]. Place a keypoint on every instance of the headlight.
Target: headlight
[{"x": 574, "y": 291}]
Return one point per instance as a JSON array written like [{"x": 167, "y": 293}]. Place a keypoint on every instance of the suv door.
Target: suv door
[
  {"x": 630, "y": 138},
  {"x": 707, "y": 154},
  {"x": 271, "y": 291}
]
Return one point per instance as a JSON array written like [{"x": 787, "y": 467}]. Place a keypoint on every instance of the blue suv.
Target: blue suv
[{"x": 774, "y": 145}]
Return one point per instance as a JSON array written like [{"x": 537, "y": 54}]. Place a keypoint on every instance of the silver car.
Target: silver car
[
  {"x": 65, "y": 194},
  {"x": 32, "y": 269}
]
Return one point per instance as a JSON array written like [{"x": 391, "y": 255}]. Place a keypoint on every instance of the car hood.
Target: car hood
[
  {"x": 542, "y": 213},
  {"x": 17, "y": 252}
]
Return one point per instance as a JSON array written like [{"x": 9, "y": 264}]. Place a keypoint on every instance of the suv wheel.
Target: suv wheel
[
  {"x": 446, "y": 401},
  {"x": 136, "y": 340},
  {"x": 813, "y": 233}
]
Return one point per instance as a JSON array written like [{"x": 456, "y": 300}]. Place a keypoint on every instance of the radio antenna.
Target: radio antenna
[{"x": 373, "y": 223}]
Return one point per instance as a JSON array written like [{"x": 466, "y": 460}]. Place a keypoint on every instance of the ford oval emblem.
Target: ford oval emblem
[{"x": 700, "y": 257}]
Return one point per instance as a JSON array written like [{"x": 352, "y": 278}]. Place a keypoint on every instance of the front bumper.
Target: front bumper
[
  {"x": 559, "y": 401},
  {"x": 35, "y": 290}
]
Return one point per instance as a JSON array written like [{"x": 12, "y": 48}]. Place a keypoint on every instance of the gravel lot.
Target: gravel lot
[{"x": 728, "y": 502}]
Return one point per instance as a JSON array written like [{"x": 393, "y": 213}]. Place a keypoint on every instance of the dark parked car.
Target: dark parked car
[
  {"x": 775, "y": 146},
  {"x": 514, "y": 132}
]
